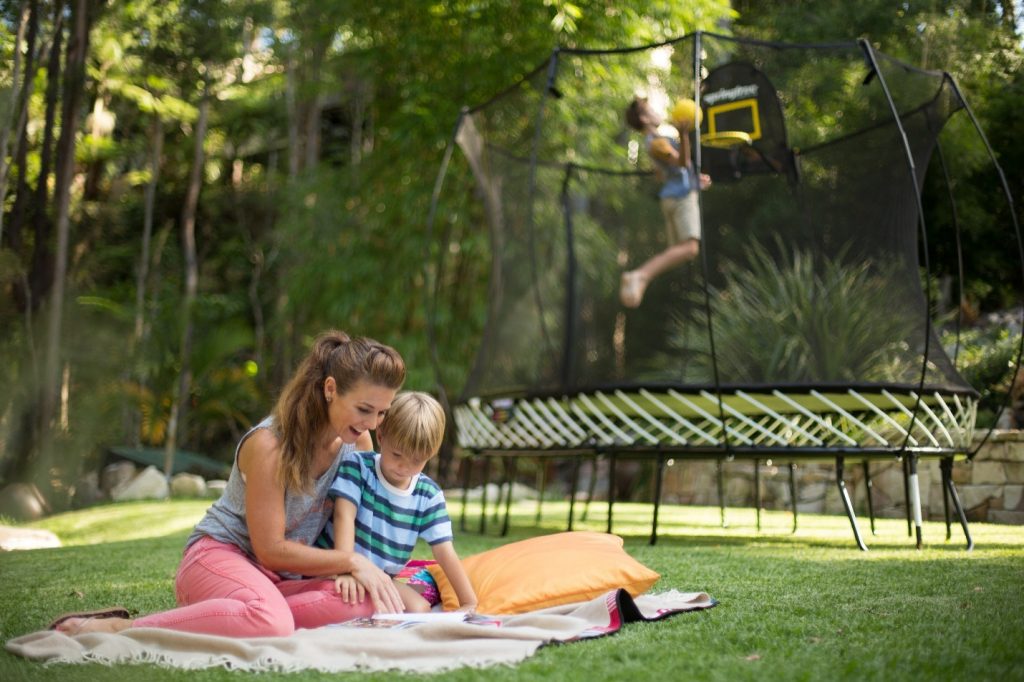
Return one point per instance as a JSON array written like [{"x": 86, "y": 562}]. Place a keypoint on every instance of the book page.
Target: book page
[{"x": 429, "y": 617}]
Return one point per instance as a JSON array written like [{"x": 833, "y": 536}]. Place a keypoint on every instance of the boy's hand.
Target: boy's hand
[
  {"x": 349, "y": 588},
  {"x": 684, "y": 127},
  {"x": 378, "y": 585}
]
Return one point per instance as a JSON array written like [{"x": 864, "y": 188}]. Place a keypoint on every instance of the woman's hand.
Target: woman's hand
[
  {"x": 378, "y": 585},
  {"x": 349, "y": 588}
]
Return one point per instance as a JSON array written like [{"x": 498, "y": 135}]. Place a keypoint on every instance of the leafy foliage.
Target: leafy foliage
[
  {"x": 794, "y": 317},
  {"x": 987, "y": 358}
]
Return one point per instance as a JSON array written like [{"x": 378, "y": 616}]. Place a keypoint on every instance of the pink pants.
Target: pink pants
[{"x": 222, "y": 591}]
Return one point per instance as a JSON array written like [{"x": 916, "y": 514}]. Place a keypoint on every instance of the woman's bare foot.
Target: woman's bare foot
[{"x": 79, "y": 626}]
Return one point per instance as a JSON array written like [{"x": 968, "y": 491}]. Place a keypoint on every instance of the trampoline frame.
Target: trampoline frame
[{"x": 816, "y": 425}]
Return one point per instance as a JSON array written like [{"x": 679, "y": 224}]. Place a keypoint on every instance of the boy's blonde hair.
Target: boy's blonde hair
[{"x": 414, "y": 425}]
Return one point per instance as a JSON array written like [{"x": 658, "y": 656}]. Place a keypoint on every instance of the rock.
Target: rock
[
  {"x": 1012, "y": 517},
  {"x": 188, "y": 485},
  {"x": 87, "y": 491},
  {"x": 23, "y": 502},
  {"x": 149, "y": 484},
  {"x": 116, "y": 475},
  {"x": 215, "y": 487},
  {"x": 988, "y": 472},
  {"x": 519, "y": 492},
  {"x": 12, "y": 538},
  {"x": 972, "y": 496},
  {"x": 1013, "y": 498}
]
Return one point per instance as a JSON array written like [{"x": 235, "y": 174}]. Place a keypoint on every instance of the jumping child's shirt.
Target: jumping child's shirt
[{"x": 677, "y": 180}]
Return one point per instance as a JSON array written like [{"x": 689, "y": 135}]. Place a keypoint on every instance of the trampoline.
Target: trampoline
[{"x": 808, "y": 326}]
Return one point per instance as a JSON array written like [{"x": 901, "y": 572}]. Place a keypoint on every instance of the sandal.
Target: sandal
[{"x": 112, "y": 612}]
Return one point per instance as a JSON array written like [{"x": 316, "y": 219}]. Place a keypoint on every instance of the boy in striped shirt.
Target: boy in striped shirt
[{"x": 383, "y": 503}]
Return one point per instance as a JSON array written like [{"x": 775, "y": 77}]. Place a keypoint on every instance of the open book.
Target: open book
[
  {"x": 398, "y": 621},
  {"x": 429, "y": 617}
]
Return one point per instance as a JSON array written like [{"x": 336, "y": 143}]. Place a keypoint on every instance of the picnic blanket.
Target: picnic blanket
[{"x": 427, "y": 647}]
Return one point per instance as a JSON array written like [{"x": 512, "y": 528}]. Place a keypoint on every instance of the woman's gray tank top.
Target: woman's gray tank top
[{"x": 305, "y": 513}]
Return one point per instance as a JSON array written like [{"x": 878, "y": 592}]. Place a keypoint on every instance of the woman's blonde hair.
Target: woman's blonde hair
[
  {"x": 301, "y": 410},
  {"x": 414, "y": 425}
]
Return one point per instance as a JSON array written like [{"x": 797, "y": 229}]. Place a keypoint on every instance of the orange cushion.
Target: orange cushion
[{"x": 548, "y": 571}]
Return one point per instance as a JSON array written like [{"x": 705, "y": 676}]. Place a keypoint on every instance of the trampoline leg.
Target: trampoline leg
[
  {"x": 792, "y": 491},
  {"x": 612, "y": 461},
  {"x": 948, "y": 465},
  {"x": 757, "y": 492},
  {"x": 572, "y": 489},
  {"x": 590, "y": 488},
  {"x": 844, "y": 495},
  {"x": 501, "y": 488},
  {"x": 915, "y": 497},
  {"x": 947, "y": 475},
  {"x": 483, "y": 495},
  {"x": 511, "y": 476},
  {"x": 542, "y": 482},
  {"x": 721, "y": 492},
  {"x": 867, "y": 489},
  {"x": 659, "y": 479},
  {"x": 906, "y": 492},
  {"x": 467, "y": 467}
]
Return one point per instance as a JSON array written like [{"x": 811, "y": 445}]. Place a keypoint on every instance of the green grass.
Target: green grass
[{"x": 803, "y": 606}]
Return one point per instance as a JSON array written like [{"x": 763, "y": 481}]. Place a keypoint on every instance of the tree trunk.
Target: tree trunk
[
  {"x": 1009, "y": 14},
  {"x": 188, "y": 238},
  {"x": 41, "y": 273},
  {"x": 142, "y": 272},
  {"x": 22, "y": 196},
  {"x": 74, "y": 84},
  {"x": 312, "y": 106},
  {"x": 16, "y": 116},
  {"x": 291, "y": 105}
]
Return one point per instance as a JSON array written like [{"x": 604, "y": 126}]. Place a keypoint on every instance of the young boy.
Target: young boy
[
  {"x": 674, "y": 169},
  {"x": 383, "y": 503}
]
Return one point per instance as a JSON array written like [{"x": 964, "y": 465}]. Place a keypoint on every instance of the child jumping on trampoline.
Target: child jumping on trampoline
[
  {"x": 674, "y": 168},
  {"x": 383, "y": 503}
]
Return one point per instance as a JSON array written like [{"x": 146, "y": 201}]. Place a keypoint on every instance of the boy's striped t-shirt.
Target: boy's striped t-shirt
[{"x": 389, "y": 521}]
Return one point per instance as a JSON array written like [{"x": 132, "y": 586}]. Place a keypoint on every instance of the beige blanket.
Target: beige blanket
[{"x": 428, "y": 647}]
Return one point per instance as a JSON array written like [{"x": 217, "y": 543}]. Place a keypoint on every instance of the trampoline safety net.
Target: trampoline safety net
[{"x": 808, "y": 321}]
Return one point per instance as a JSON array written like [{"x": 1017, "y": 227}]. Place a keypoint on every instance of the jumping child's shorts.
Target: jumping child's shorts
[{"x": 415, "y": 574}]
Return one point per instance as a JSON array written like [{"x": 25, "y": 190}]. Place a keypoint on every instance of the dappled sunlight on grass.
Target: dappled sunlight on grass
[{"x": 125, "y": 521}]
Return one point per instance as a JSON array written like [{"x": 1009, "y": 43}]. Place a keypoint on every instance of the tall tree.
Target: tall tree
[
  {"x": 188, "y": 243},
  {"x": 82, "y": 17}
]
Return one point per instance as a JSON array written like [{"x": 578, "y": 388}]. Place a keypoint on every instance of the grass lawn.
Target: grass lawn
[{"x": 803, "y": 606}]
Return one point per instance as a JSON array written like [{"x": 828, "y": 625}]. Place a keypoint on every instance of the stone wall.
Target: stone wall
[{"x": 991, "y": 486}]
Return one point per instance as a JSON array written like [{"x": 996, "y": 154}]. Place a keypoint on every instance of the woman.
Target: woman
[{"x": 241, "y": 571}]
